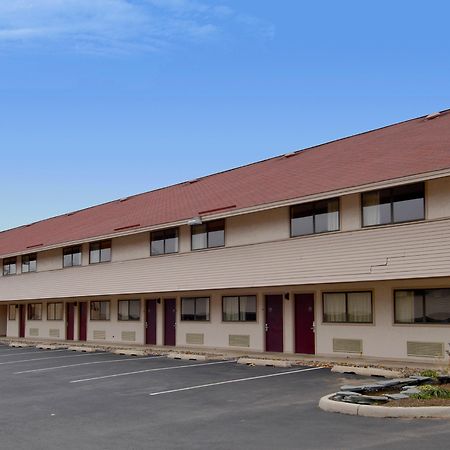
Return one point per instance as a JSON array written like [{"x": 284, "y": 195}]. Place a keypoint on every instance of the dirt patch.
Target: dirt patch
[{"x": 414, "y": 402}]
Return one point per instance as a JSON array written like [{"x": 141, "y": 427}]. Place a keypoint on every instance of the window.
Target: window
[
  {"x": 315, "y": 217},
  {"x": 29, "y": 263},
  {"x": 35, "y": 311},
  {"x": 129, "y": 310},
  {"x": 100, "y": 252},
  {"x": 100, "y": 310},
  {"x": 9, "y": 266},
  {"x": 239, "y": 309},
  {"x": 208, "y": 235},
  {"x": 422, "y": 306},
  {"x": 195, "y": 308},
  {"x": 164, "y": 242},
  {"x": 11, "y": 312},
  {"x": 347, "y": 307},
  {"x": 394, "y": 205},
  {"x": 72, "y": 256},
  {"x": 55, "y": 311}
]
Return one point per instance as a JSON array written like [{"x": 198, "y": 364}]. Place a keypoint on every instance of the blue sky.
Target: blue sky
[{"x": 100, "y": 99}]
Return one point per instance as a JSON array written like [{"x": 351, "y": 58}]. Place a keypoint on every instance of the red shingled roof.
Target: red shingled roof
[{"x": 408, "y": 148}]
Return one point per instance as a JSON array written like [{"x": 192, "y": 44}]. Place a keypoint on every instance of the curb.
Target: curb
[
  {"x": 187, "y": 357},
  {"x": 368, "y": 371},
  {"x": 417, "y": 412},
  {"x": 264, "y": 362},
  {"x": 127, "y": 352}
]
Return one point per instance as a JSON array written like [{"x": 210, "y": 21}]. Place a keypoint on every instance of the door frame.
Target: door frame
[
  {"x": 145, "y": 319},
  {"x": 86, "y": 302},
  {"x": 175, "y": 300},
  {"x": 264, "y": 299},
  {"x": 71, "y": 305},
  {"x": 22, "y": 319}
]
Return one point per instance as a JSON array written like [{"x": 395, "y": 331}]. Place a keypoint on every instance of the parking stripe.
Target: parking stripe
[
  {"x": 239, "y": 380},
  {"x": 45, "y": 369},
  {"x": 52, "y": 357},
  {"x": 34, "y": 353},
  {"x": 186, "y": 366}
]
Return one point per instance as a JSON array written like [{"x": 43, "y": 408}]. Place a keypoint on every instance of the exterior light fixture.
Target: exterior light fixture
[{"x": 195, "y": 221}]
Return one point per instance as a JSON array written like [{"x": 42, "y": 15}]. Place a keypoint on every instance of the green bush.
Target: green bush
[
  {"x": 428, "y": 392},
  {"x": 429, "y": 373}
]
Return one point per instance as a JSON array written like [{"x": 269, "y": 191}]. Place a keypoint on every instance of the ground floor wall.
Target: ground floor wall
[{"x": 382, "y": 338}]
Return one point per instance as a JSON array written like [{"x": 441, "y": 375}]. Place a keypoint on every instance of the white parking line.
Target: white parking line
[
  {"x": 45, "y": 369},
  {"x": 239, "y": 380},
  {"x": 37, "y": 352},
  {"x": 185, "y": 366},
  {"x": 53, "y": 357}
]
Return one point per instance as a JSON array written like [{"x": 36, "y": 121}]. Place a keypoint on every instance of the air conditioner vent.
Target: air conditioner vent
[
  {"x": 425, "y": 349},
  {"x": 99, "y": 334},
  {"x": 53, "y": 332},
  {"x": 239, "y": 340},
  {"x": 195, "y": 338},
  {"x": 128, "y": 336},
  {"x": 34, "y": 331},
  {"x": 347, "y": 345}
]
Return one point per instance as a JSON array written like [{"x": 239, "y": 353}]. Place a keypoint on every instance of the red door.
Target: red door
[
  {"x": 70, "y": 318},
  {"x": 21, "y": 320},
  {"x": 170, "y": 321},
  {"x": 304, "y": 324},
  {"x": 150, "y": 322},
  {"x": 274, "y": 323},
  {"x": 82, "y": 321}
]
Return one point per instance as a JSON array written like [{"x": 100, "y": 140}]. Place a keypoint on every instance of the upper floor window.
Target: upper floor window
[
  {"x": 55, "y": 311},
  {"x": 195, "y": 308},
  {"x": 208, "y": 235},
  {"x": 9, "y": 266},
  {"x": 129, "y": 310},
  {"x": 72, "y": 256},
  {"x": 347, "y": 307},
  {"x": 35, "y": 311},
  {"x": 315, "y": 217},
  {"x": 164, "y": 241},
  {"x": 100, "y": 252},
  {"x": 29, "y": 263},
  {"x": 239, "y": 309},
  {"x": 100, "y": 310},
  {"x": 422, "y": 306},
  {"x": 394, "y": 205}
]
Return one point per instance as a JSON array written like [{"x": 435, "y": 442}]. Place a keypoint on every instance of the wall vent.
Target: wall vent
[
  {"x": 128, "y": 336},
  {"x": 347, "y": 345},
  {"x": 34, "y": 331},
  {"x": 53, "y": 332},
  {"x": 195, "y": 338},
  {"x": 99, "y": 334},
  {"x": 425, "y": 349},
  {"x": 239, "y": 340}
]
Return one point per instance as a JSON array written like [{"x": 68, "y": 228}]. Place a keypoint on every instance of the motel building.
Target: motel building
[{"x": 342, "y": 249}]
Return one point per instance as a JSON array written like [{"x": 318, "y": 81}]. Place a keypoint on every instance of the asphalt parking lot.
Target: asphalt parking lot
[{"x": 54, "y": 399}]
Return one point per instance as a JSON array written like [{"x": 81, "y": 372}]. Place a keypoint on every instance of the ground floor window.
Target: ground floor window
[
  {"x": 195, "y": 308},
  {"x": 241, "y": 308},
  {"x": 100, "y": 310},
  {"x": 129, "y": 310},
  {"x": 12, "y": 312},
  {"x": 347, "y": 307},
  {"x": 422, "y": 306},
  {"x": 35, "y": 311},
  {"x": 55, "y": 311}
]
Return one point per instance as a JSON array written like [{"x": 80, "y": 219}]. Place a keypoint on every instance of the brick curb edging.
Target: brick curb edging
[{"x": 413, "y": 412}]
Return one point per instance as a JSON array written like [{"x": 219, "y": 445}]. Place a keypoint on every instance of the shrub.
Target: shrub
[
  {"x": 429, "y": 373},
  {"x": 428, "y": 392}
]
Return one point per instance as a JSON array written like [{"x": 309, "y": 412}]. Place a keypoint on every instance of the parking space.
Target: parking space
[{"x": 65, "y": 399}]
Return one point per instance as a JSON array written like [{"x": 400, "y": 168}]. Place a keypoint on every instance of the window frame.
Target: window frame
[
  {"x": 314, "y": 208},
  {"x": 29, "y": 257},
  {"x": 72, "y": 247},
  {"x": 55, "y": 318},
  {"x": 207, "y": 232},
  {"x": 372, "y": 321},
  {"x": 9, "y": 262},
  {"x": 29, "y": 308},
  {"x": 208, "y": 319},
  {"x": 99, "y": 243},
  {"x": 391, "y": 196},
  {"x": 423, "y": 307},
  {"x": 128, "y": 310},
  {"x": 12, "y": 308},
  {"x": 239, "y": 308},
  {"x": 177, "y": 232},
  {"x": 91, "y": 303}
]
